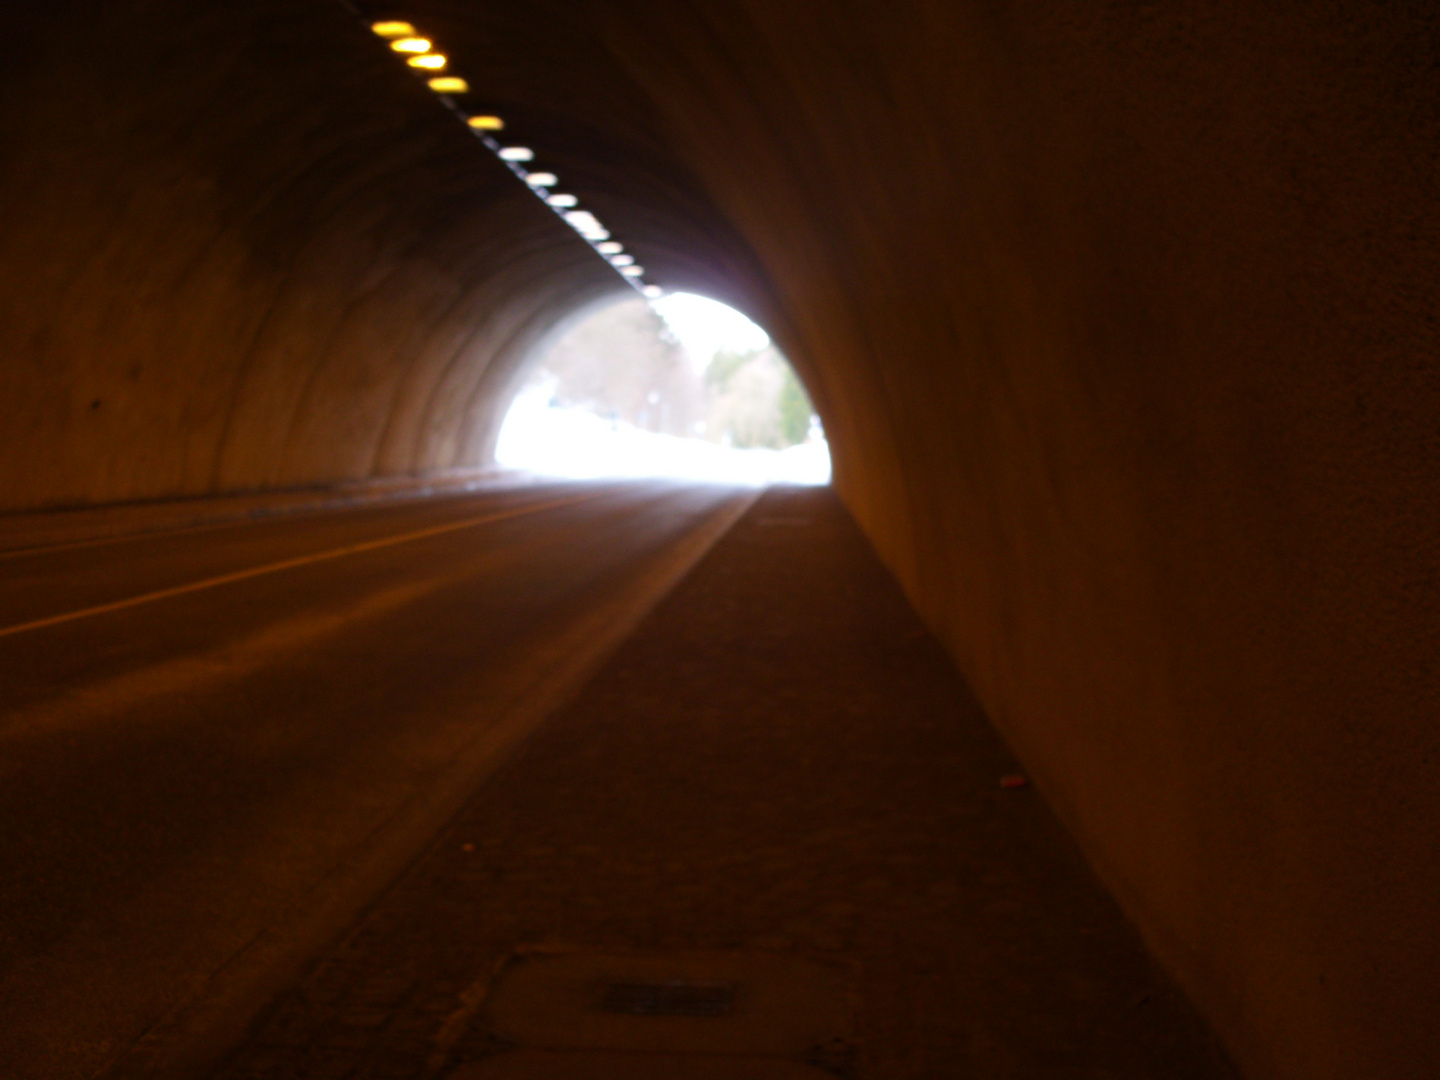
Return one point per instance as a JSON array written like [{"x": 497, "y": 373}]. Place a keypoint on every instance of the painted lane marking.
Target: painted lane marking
[
  {"x": 255, "y": 516},
  {"x": 288, "y": 564}
]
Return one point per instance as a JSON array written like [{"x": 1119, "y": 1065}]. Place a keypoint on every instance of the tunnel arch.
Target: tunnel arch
[{"x": 1119, "y": 320}]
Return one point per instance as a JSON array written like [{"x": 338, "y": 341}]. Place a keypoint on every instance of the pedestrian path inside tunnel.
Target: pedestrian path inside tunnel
[{"x": 774, "y": 836}]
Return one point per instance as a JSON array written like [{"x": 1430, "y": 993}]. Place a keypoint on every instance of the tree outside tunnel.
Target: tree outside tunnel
[{"x": 687, "y": 387}]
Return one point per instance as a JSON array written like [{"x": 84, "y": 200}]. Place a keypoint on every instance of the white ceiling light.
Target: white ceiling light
[
  {"x": 586, "y": 224},
  {"x": 403, "y": 38}
]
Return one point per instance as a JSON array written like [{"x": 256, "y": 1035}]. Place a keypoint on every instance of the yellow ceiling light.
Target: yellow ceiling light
[
  {"x": 449, "y": 84},
  {"x": 486, "y": 123},
  {"x": 430, "y": 61},
  {"x": 542, "y": 179},
  {"x": 393, "y": 29},
  {"x": 411, "y": 45},
  {"x": 611, "y": 247}
]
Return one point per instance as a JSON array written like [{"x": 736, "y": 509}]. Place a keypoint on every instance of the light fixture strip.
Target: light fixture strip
[
  {"x": 427, "y": 63},
  {"x": 598, "y": 237}
]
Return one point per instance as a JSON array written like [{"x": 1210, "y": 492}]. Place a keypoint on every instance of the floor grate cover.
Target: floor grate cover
[
  {"x": 551, "y": 1065},
  {"x": 671, "y": 998},
  {"x": 664, "y": 1016}
]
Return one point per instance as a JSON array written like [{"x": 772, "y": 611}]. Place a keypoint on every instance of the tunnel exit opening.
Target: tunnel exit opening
[{"x": 682, "y": 387}]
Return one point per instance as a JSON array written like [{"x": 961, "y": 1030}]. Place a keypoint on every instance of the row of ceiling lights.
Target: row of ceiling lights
[{"x": 420, "y": 54}]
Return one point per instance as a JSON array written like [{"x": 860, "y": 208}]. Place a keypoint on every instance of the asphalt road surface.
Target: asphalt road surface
[{"x": 218, "y": 744}]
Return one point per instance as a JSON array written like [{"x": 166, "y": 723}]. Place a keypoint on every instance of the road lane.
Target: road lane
[
  {"x": 177, "y": 778},
  {"x": 53, "y": 583},
  {"x": 294, "y": 562}
]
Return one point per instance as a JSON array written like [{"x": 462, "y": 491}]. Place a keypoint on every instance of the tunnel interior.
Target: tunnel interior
[{"x": 1119, "y": 317}]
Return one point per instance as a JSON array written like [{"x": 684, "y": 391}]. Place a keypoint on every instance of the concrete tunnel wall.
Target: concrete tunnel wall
[
  {"x": 241, "y": 251},
  {"x": 1121, "y": 319}
]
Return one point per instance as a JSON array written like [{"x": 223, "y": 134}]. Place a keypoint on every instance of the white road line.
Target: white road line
[{"x": 287, "y": 564}]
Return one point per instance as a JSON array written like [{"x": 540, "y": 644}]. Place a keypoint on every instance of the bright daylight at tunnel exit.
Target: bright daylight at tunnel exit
[{"x": 683, "y": 387}]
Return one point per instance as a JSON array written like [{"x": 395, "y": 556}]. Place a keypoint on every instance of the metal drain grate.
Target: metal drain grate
[
  {"x": 669, "y": 998},
  {"x": 759, "y": 1005}
]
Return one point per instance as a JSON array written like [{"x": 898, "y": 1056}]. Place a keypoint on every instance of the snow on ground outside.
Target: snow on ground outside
[{"x": 576, "y": 444}]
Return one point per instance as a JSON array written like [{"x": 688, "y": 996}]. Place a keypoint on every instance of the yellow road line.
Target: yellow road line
[
  {"x": 339, "y": 504},
  {"x": 287, "y": 564}
]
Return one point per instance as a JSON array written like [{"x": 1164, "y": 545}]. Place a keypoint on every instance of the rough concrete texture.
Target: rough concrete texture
[
  {"x": 1120, "y": 317},
  {"x": 783, "y": 764},
  {"x": 253, "y": 253}
]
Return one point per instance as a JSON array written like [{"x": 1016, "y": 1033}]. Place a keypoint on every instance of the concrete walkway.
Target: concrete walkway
[{"x": 780, "y": 767}]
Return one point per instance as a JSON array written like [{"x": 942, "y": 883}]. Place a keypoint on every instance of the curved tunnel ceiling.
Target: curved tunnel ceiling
[{"x": 1120, "y": 318}]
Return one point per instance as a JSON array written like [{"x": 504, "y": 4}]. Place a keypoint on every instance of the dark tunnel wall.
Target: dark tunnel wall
[
  {"x": 243, "y": 251},
  {"x": 1120, "y": 316}
]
